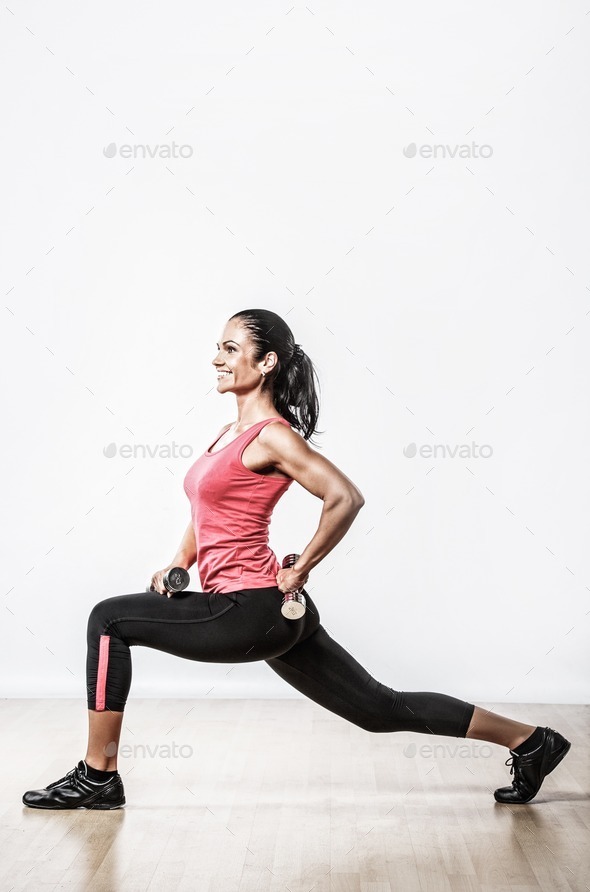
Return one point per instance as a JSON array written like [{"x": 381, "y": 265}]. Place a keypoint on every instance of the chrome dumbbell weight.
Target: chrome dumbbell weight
[
  {"x": 175, "y": 580},
  {"x": 293, "y": 605}
]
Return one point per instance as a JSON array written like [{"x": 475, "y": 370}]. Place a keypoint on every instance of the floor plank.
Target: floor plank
[{"x": 269, "y": 795}]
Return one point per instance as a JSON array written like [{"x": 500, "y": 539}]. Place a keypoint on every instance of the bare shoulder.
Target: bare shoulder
[
  {"x": 291, "y": 454},
  {"x": 270, "y": 431},
  {"x": 281, "y": 440}
]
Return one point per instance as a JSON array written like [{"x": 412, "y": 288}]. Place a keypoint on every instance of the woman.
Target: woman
[{"x": 233, "y": 488}]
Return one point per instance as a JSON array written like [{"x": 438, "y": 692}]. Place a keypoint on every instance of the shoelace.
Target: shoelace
[
  {"x": 515, "y": 769},
  {"x": 510, "y": 761},
  {"x": 73, "y": 776}
]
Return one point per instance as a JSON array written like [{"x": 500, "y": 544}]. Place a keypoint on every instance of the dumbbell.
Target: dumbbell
[
  {"x": 293, "y": 605},
  {"x": 175, "y": 580}
]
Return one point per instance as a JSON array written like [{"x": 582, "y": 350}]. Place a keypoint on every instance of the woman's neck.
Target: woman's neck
[{"x": 250, "y": 412}]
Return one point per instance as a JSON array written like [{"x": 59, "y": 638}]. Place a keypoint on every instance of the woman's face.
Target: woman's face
[{"x": 233, "y": 363}]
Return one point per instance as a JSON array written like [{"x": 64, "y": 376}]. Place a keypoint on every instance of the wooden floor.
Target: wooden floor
[{"x": 257, "y": 795}]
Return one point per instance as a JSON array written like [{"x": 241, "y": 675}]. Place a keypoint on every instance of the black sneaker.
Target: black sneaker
[
  {"x": 76, "y": 790},
  {"x": 530, "y": 769}
]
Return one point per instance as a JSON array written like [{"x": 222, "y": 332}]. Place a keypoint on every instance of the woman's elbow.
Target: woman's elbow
[
  {"x": 359, "y": 499},
  {"x": 351, "y": 495},
  {"x": 346, "y": 493}
]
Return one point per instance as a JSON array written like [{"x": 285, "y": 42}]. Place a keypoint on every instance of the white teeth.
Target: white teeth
[{"x": 222, "y": 374}]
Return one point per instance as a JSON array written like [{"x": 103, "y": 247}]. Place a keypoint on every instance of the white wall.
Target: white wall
[{"x": 444, "y": 301}]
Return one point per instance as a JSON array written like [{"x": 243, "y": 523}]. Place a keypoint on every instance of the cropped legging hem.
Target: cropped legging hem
[{"x": 248, "y": 626}]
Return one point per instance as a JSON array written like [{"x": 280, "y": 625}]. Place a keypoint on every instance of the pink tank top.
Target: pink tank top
[{"x": 231, "y": 507}]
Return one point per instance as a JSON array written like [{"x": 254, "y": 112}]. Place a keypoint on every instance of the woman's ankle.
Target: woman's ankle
[
  {"x": 106, "y": 763},
  {"x": 535, "y": 737}
]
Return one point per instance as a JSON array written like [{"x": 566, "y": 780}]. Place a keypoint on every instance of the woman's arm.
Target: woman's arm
[
  {"x": 336, "y": 518},
  {"x": 187, "y": 550},
  {"x": 291, "y": 454}
]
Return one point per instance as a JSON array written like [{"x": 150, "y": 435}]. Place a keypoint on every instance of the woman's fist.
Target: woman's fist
[
  {"x": 157, "y": 581},
  {"x": 289, "y": 580}
]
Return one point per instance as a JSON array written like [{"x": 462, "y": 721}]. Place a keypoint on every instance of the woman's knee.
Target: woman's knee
[{"x": 100, "y": 618}]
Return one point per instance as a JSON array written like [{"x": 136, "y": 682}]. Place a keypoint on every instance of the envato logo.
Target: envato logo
[
  {"x": 445, "y": 750},
  {"x": 144, "y": 450},
  {"x": 440, "y": 151},
  {"x": 141, "y": 150},
  {"x": 145, "y": 751},
  {"x": 463, "y": 450}
]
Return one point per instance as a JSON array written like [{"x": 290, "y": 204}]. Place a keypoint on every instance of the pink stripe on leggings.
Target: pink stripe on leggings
[{"x": 103, "y": 662}]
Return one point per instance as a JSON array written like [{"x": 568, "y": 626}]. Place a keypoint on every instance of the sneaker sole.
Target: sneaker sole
[{"x": 102, "y": 807}]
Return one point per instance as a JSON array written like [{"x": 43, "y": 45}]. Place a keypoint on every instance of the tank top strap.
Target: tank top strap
[{"x": 253, "y": 432}]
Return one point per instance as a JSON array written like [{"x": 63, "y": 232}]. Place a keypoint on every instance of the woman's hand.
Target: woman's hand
[
  {"x": 289, "y": 580},
  {"x": 157, "y": 582}
]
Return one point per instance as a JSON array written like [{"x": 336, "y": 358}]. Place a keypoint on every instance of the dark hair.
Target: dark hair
[{"x": 292, "y": 380}]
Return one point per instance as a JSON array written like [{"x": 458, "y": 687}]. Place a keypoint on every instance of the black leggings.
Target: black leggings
[{"x": 247, "y": 626}]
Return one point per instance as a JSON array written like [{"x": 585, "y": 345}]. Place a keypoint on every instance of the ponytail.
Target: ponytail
[{"x": 293, "y": 381}]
